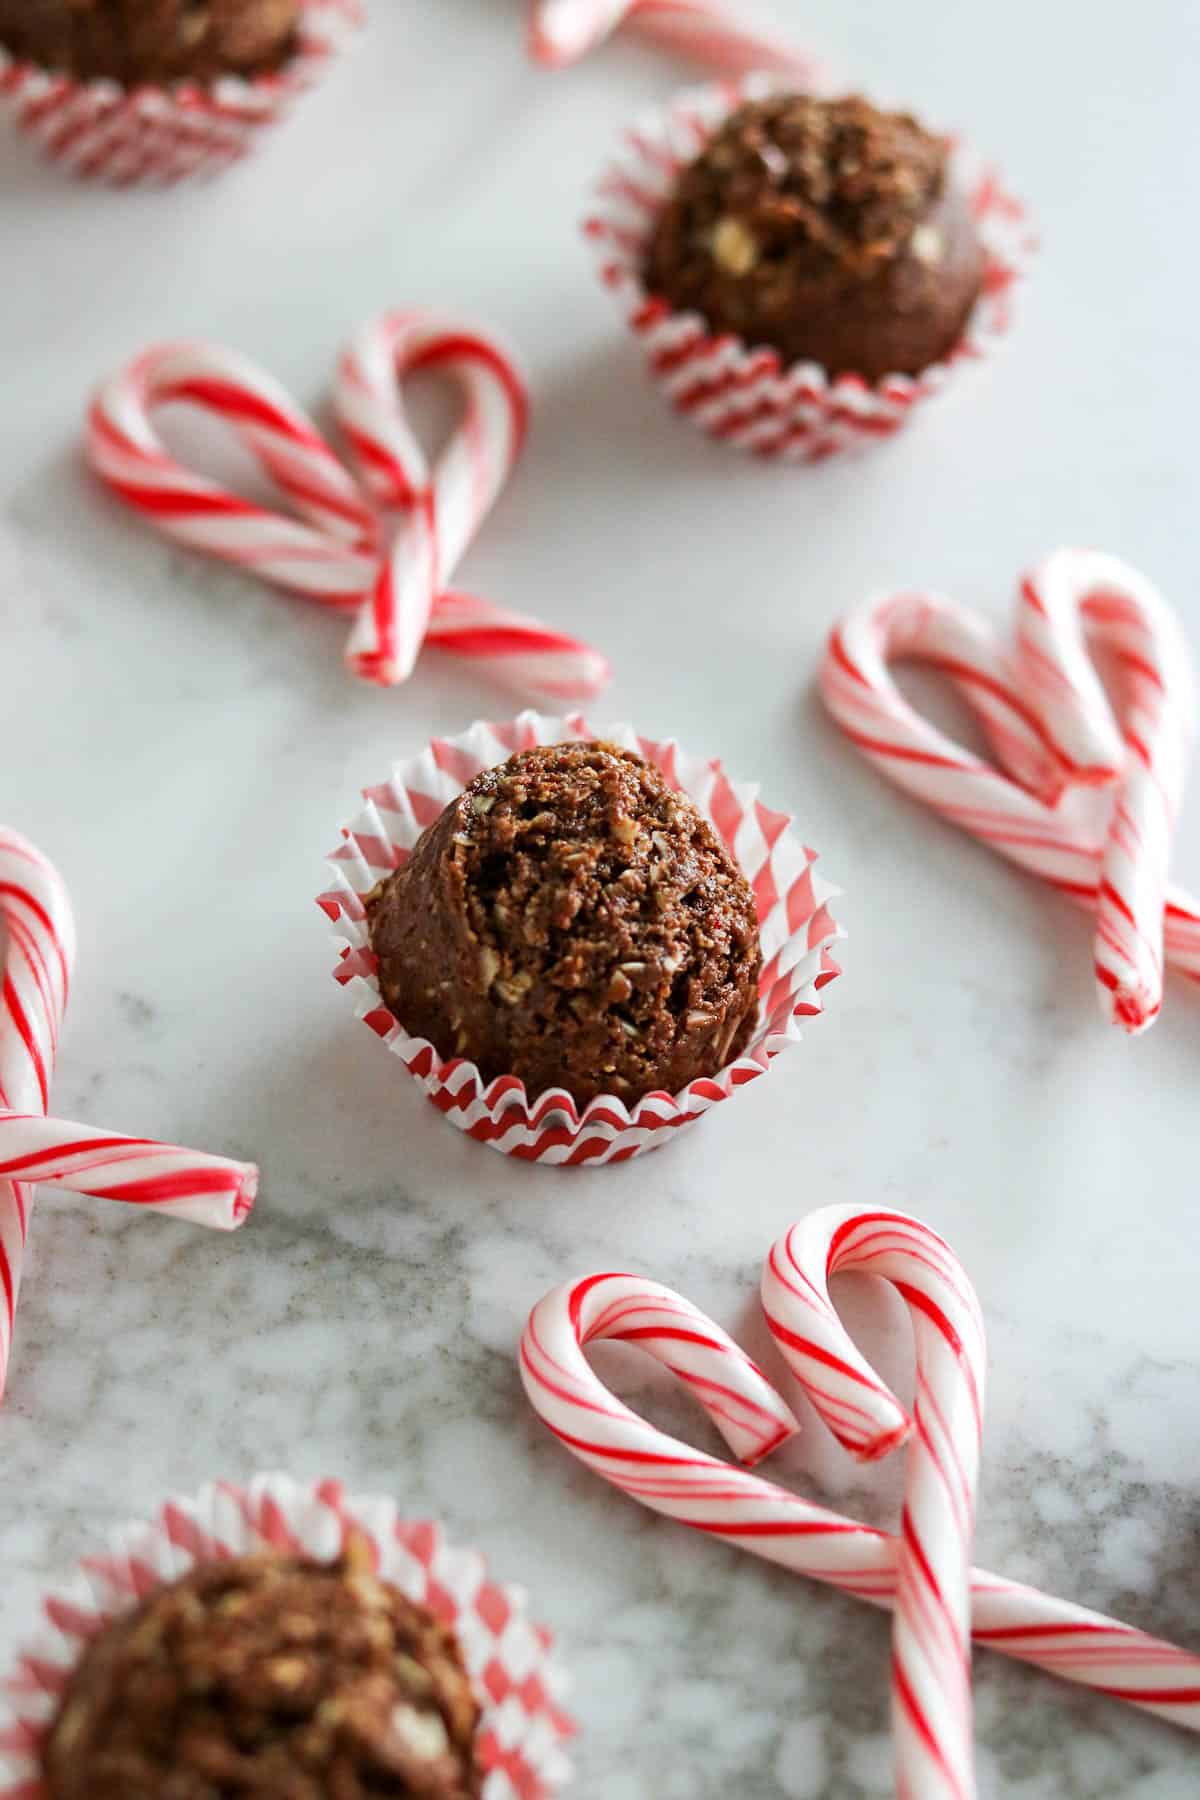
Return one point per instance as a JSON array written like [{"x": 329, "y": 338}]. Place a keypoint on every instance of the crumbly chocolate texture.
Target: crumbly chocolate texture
[
  {"x": 572, "y": 920},
  {"x": 269, "y": 1678},
  {"x": 826, "y": 230},
  {"x": 133, "y": 41}
]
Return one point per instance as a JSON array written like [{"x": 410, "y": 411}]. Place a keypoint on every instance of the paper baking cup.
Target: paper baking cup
[
  {"x": 518, "y": 1683},
  {"x": 742, "y": 395},
  {"x": 796, "y": 926},
  {"x": 160, "y": 135}
]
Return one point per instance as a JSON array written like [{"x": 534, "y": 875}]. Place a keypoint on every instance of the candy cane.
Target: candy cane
[
  {"x": 206, "y": 1190},
  {"x": 738, "y": 1507},
  {"x": 445, "y": 507},
  {"x": 39, "y": 953},
  {"x": 1085, "y": 802},
  {"x": 563, "y": 31},
  {"x": 337, "y": 549},
  {"x": 931, "y": 1633}
]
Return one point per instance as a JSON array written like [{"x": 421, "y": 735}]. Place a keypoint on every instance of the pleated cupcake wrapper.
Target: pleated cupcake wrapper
[
  {"x": 796, "y": 926},
  {"x": 516, "y": 1677},
  {"x": 742, "y": 395},
  {"x": 163, "y": 134}
]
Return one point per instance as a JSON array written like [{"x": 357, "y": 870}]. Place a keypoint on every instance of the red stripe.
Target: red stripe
[
  {"x": 920, "y": 1561},
  {"x": 455, "y": 346},
  {"x": 778, "y": 1528},
  {"x": 174, "y": 503},
  {"x": 1109, "y": 893},
  {"x": 1003, "y": 1632},
  {"x": 509, "y": 640},
  {"x": 25, "y": 1033},
  {"x": 1186, "y": 1696},
  {"x": 187, "y": 1184},
  {"x": 807, "y": 1347},
  {"x": 903, "y": 753},
  {"x": 240, "y": 403},
  {"x": 12, "y": 891},
  {"x": 642, "y": 1458},
  {"x": 912, "y": 1707},
  {"x": 674, "y": 1334},
  {"x": 10, "y": 1298}
]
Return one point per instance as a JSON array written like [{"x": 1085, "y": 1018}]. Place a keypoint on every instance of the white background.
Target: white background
[{"x": 185, "y": 744}]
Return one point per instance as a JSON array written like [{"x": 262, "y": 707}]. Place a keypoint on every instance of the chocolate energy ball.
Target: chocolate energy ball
[
  {"x": 571, "y": 920},
  {"x": 268, "y": 1678},
  {"x": 134, "y": 41},
  {"x": 826, "y": 230}
]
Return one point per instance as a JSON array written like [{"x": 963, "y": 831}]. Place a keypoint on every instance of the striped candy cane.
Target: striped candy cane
[
  {"x": 335, "y": 547},
  {"x": 205, "y": 1190},
  {"x": 739, "y": 1507},
  {"x": 442, "y": 508},
  {"x": 931, "y": 1632},
  {"x": 39, "y": 937},
  {"x": 1086, "y": 802},
  {"x": 563, "y": 31}
]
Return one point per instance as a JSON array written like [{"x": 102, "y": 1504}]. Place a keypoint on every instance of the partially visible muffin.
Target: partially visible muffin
[
  {"x": 269, "y": 1678},
  {"x": 572, "y": 920},
  {"x": 826, "y": 230},
  {"x": 151, "y": 41}
]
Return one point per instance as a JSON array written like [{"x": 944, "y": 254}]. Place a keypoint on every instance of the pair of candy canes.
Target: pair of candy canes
[
  {"x": 923, "y": 1573},
  {"x": 37, "y": 954},
  {"x": 1087, "y": 792},
  {"x": 381, "y": 542}
]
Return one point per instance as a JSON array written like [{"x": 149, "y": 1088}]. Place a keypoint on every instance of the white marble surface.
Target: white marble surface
[{"x": 185, "y": 744}]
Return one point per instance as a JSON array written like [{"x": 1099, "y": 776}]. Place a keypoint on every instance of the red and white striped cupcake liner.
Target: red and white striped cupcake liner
[
  {"x": 797, "y": 931},
  {"x": 517, "y": 1678},
  {"x": 742, "y": 395},
  {"x": 162, "y": 134}
]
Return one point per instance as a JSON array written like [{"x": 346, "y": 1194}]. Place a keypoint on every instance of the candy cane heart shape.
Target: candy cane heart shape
[
  {"x": 739, "y": 1507},
  {"x": 1082, "y": 800},
  {"x": 563, "y": 31},
  {"x": 335, "y": 546},
  {"x": 931, "y": 1632},
  {"x": 38, "y": 944}
]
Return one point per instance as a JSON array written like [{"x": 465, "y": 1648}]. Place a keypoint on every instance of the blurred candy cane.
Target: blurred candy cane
[
  {"x": 1085, "y": 801},
  {"x": 730, "y": 1503},
  {"x": 563, "y": 31},
  {"x": 339, "y": 547},
  {"x": 931, "y": 1631},
  {"x": 37, "y": 937}
]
